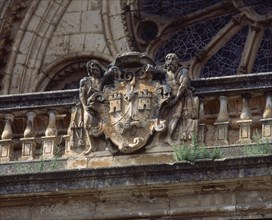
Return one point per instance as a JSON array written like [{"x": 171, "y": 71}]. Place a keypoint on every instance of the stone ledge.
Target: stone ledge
[
  {"x": 235, "y": 84},
  {"x": 38, "y": 100},
  {"x": 207, "y": 86},
  {"x": 138, "y": 175}
]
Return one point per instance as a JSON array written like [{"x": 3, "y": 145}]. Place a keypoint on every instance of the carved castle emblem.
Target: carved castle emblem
[
  {"x": 124, "y": 104},
  {"x": 129, "y": 103}
]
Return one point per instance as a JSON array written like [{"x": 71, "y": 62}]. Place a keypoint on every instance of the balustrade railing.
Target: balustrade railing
[
  {"x": 235, "y": 109},
  {"x": 232, "y": 109},
  {"x": 33, "y": 124}
]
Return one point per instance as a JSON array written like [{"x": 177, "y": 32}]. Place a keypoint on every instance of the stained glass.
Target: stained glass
[
  {"x": 187, "y": 42},
  {"x": 262, "y": 7},
  {"x": 263, "y": 62},
  {"x": 226, "y": 60},
  {"x": 172, "y": 8}
]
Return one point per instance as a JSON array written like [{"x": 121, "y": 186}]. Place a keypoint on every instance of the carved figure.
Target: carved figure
[
  {"x": 178, "y": 81},
  {"x": 88, "y": 86}
]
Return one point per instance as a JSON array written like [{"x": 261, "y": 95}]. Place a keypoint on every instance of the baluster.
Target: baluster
[
  {"x": 202, "y": 125},
  {"x": 6, "y": 144},
  {"x": 222, "y": 122},
  {"x": 245, "y": 121},
  {"x": 50, "y": 139},
  {"x": 28, "y": 142},
  {"x": 267, "y": 119}
]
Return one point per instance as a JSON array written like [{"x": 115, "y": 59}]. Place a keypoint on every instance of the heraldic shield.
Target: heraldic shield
[{"x": 129, "y": 101}]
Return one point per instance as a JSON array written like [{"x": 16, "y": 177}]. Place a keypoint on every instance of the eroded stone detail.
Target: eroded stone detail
[{"x": 133, "y": 103}]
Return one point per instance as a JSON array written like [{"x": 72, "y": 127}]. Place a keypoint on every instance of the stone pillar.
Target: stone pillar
[
  {"x": 50, "y": 139},
  {"x": 28, "y": 142},
  {"x": 245, "y": 121},
  {"x": 6, "y": 144},
  {"x": 267, "y": 119},
  {"x": 202, "y": 125},
  {"x": 222, "y": 122}
]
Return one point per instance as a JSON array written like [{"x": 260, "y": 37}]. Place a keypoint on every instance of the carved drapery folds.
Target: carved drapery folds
[{"x": 132, "y": 104}]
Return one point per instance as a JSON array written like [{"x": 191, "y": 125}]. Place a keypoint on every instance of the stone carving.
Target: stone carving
[
  {"x": 123, "y": 106},
  {"x": 181, "y": 103}
]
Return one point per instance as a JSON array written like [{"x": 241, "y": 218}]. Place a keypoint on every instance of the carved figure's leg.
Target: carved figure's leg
[
  {"x": 173, "y": 123},
  {"x": 171, "y": 128},
  {"x": 87, "y": 127}
]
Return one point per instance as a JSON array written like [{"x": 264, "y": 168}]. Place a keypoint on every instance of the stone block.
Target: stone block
[
  {"x": 254, "y": 196},
  {"x": 77, "y": 5},
  {"x": 101, "y": 162},
  {"x": 28, "y": 148},
  {"x": 94, "y": 4},
  {"x": 42, "y": 7},
  {"x": 116, "y": 27},
  {"x": 26, "y": 42},
  {"x": 69, "y": 23},
  {"x": 62, "y": 208},
  {"x": 6, "y": 150},
  {"x": 59, "y": 44},
  {"x": 43, "y": 29},
  {"x": 122, "y": 45},
  {"x": 184, "y": 201},
  {"x": 217, "y": 199},
  {"x": 49, "y": 146},
  {"x": 52, "y": 13},
  {"x": 77, "y": 163},
  {"x": 22, "y": 213},
  {"x": 34, "y": 24},
  {"x": 91, "y": 22},
  {"x": 76, "y": 42},
  {"x": 114, "y": 9},
  {"x": 94, "y": 42}
]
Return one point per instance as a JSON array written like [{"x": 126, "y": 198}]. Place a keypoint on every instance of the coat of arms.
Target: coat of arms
[{"x": 125, "y": 103}]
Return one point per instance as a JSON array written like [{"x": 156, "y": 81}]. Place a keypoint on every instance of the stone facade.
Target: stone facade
[{"x": 132, "y": 90}]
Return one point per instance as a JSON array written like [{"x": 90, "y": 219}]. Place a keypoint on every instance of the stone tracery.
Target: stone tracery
[{"x": 176, "y": 22}]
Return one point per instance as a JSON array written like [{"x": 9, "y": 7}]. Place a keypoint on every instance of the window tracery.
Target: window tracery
[
  {"x": 173, "y": 8},
  {"x": 226, "y": 61},
  {"x": 263, "y": 62},
  {"x": 187, "y": 27},
  {"x": 188, "y": 41}
]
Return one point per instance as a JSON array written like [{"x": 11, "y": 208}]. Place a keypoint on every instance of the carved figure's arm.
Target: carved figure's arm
[
  {"x": 183, "y": 80},
  {"x": 83, "y": 92}
]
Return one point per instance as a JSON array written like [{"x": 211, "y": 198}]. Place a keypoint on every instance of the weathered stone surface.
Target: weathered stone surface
[
  {"x": 181, "y": 190},
  {"x": 38, "y": 100},
  {"x": 69, "y": 23},
  {"x": 91, "y": 21},
  {"x": 233, "y": 84}
]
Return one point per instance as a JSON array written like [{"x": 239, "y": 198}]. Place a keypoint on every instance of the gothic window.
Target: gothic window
[{"x": 214, "y": 38}]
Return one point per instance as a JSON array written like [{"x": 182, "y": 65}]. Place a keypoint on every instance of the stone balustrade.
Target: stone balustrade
[
  {"x": 32, "y": 124},
  {"x": 36, "y": 125}
]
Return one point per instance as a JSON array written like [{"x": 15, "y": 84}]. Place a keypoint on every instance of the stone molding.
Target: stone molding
[{"x": 218, "y": 171}]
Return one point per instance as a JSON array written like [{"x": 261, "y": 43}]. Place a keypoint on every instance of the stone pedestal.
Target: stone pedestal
[
  {"x": 6, "y": 150},
  {"x": 245, "y": 131},
  {"x": 266, "y": 129},
  {"x": 68, "y": 144},
  {"x": 49, "y": 146},
  {"x": 28, "y": 148},
  {"x": 202, "y": 128},
  {"x": 221, "y": 134}
]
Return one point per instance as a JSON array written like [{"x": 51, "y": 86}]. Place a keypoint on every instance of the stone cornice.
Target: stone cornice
[
  {"x": 38, "y": 100},
  {"x": 219, "y": 171},
  {"x": 235, "y": 84},
  {"x": 227, "y": 85}
]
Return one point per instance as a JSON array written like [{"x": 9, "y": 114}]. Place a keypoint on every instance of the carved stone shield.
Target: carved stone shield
[{"x": 129, "y": 103}]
